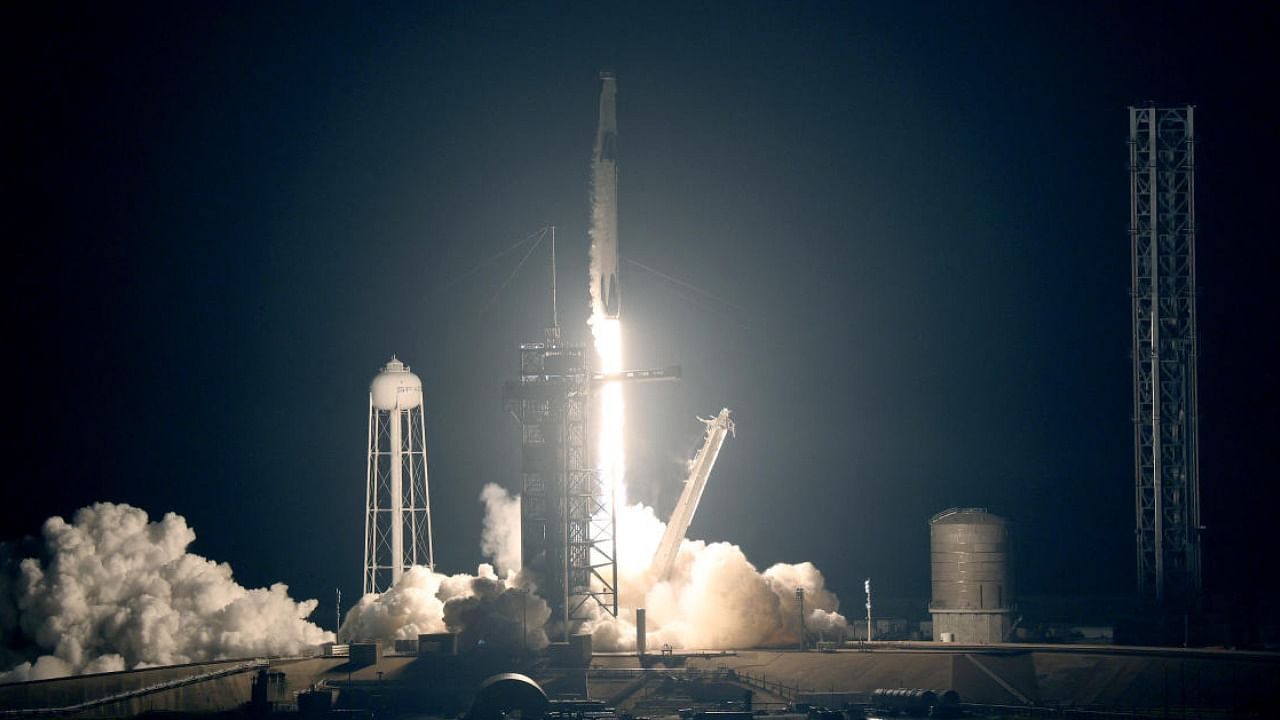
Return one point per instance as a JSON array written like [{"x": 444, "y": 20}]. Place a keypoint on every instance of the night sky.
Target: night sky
[{"x": 907, "y": 227}]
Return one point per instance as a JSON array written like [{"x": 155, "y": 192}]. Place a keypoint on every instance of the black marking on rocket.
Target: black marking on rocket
[
  {"x": 605, "y": 166},
  {"x": 609, "y": 292}
]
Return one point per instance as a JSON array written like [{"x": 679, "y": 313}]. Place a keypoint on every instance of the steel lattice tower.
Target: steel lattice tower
[
  {"x": 397, "y": 526},
  {"x": 566, "y": 520},
  {"x": 1166, "y": 445}
]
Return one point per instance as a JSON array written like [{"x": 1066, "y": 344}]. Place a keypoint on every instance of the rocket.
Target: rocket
[{"x": 604, "y": 191}]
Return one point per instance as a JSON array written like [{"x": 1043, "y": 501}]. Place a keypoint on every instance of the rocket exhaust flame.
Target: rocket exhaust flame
[{"x": 611, "y": 459}]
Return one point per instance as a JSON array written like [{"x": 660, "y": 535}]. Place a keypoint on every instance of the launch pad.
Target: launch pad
[{"x": 1040, "y": 681}]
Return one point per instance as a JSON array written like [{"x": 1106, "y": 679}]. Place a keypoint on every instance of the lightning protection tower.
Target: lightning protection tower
[
  {"x": 1166, "y": 444},
  {"x": 397, "y": 526}
]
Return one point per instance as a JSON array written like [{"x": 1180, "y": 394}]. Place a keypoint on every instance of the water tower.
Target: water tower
[
  {"x": 972, "y": 593},
  {"x": 397, "y": 525}
]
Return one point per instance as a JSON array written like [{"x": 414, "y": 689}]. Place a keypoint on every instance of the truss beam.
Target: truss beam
[{"x": 1166, "y": 423}]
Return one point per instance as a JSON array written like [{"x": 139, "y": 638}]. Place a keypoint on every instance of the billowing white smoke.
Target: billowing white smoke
[
  {"x": 714, "y": 599},
  {"x": 482, "y": 608},
  {"x": 500, "y": 536},
  {"x": 116, "y": 591},
  {"x": 500, "y": 612}
]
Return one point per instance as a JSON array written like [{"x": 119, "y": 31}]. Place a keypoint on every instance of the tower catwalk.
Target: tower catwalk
[{"x": 1162, "y": 229}]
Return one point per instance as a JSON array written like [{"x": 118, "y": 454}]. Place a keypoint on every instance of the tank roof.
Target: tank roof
[{"x": 966, "y": 516}]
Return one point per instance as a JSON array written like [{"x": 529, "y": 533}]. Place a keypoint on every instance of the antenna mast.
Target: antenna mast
[{"x": 555, "y": 314}]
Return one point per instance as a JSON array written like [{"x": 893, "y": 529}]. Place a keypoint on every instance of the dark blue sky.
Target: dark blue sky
[{"x": 225, "y": 217}]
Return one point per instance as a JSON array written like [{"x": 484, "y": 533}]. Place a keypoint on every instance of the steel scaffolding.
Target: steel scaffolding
[
  {"x": 1166, "y": 464},
  {"x": 567, "y": 524},
  {"x": 397, "y": 525}
]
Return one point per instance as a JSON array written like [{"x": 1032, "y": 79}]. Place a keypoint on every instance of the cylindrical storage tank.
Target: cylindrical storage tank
[
  {"x": 397, "y": 507},
  {"x": 395, "y": 388},
  {"x": 640, "y": 632},
  {"x": 909, "y": 701},
  {"x": 948, "y": 705},
  {"x": 972, "y": 592},
  {"x": 970, "y": 549}
]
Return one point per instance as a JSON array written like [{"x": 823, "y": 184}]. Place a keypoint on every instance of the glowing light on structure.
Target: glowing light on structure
[{"x": 611, "y": 459}]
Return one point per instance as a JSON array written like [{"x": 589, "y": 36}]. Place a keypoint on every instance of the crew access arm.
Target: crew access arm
[{"x": 717, "y": 428}]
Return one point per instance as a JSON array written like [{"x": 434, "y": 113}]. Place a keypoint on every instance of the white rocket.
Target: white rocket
[{"x": 604, "y": 197}]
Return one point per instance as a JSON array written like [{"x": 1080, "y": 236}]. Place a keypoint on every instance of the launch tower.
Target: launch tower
[
  {"x": 1165, "y": 430},
  {"x": 567, "y": 516},
  {"x": 397, "y": 526},
  {"x": 566, "y": 524}
]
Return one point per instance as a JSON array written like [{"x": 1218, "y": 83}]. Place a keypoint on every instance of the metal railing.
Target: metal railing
[
  {"x": 1097, "y": 713},
  {"x": 773, "y": 687},
  {"x": 138, "y": 692},
  {"x": 683, "y": 673}
]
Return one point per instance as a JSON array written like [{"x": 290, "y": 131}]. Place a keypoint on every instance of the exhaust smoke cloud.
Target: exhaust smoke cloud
[
  {"x": 714, "y": 599},
  {"x": 116, "y": 591},
  {"x": 498, "y": 609},
  {"x": 500, "y": 536},
  {"x": 483, "y": 609}
]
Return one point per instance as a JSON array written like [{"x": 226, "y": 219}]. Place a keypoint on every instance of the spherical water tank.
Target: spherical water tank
[
  {"x": 395, "y": 388},
  {"x": 970, "y": 549}
]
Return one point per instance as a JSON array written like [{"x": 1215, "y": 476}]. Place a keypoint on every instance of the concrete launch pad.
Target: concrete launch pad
[{"x": 1082, "y": 677}]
